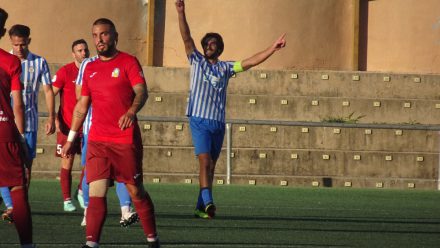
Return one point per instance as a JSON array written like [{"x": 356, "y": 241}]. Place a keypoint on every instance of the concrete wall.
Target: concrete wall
[
  {"x": 319, "y": 32},
  {"x": 403, "y": 36},
  {"x": 56, "y": 24}
]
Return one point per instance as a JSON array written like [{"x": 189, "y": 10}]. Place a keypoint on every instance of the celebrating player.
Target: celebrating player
[
  {"x": 64, "y": 83},
  {"x": 116, "y": 85},
  {"x": 207, "y": 101},
  {"x": 12, "y": 143}
]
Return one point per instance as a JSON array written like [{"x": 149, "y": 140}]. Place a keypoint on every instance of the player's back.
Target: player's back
[{"x": 10, "y": 71}]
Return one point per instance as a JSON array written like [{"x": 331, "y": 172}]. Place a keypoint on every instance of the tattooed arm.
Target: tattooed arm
[{"x": 79, "y": 114}]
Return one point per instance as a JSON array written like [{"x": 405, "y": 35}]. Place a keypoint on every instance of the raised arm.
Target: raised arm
[
  {"x": 141, "y": 96},
  {"x": 265, "y": 54},
  {"x": 184, "y": 28}
]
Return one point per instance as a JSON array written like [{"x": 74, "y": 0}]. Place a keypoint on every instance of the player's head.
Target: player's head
[
  {"x": 20, "y": 40},
  {"x": 3, "y": 18},
  {"x": 105, "y": 37},
  {"x": 80, "y": 51},
  {"x": 212, "y": 44}
]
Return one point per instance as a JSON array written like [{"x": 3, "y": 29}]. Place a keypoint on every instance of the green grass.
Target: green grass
[{"x": 251, "y": 216}]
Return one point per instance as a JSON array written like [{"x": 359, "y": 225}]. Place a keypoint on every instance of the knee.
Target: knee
[{"x": 136, "y": 191}]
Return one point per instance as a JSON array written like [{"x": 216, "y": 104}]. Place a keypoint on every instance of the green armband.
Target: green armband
[{"x": 237, "y": 67}]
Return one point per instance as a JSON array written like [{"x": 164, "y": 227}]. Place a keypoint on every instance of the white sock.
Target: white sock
[{"x": 125, "y": 210}]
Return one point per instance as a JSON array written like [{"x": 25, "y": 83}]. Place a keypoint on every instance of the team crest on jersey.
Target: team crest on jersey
[
  {"x": 115, "y": 73},
  {"x": 31, "y": 69},
  {"x": 54, "y": 78}
]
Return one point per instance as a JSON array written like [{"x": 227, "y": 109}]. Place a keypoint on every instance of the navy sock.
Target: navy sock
[
  {"x": 200, "y": 204},
  {"x": 206, "y": 196}
]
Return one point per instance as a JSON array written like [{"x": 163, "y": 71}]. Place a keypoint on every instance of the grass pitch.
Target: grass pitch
[{"x": 250, "y": 216}]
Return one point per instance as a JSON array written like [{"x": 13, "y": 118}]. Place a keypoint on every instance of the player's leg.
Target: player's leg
[
  {"x": 31, "y": 142},
  {"x": 96, "y": 211},
  {"x": 12, "y": 176},
  {"x": 85, "y": 185},
  {"x": 145, "y": 209},
  {"x": 79, "y": 192},
  {"x": 128, "y": 216},
  {"x": 98, "y": 173},
  {"x": 66, "y": 183},
  {"x": 6, "y": 195}
]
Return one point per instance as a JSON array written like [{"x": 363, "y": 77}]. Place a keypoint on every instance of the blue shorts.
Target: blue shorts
[
  {"x": 207, "y": 136},
  {"x": 84, "y": 149},
  {"x": 31, "y": 141}
]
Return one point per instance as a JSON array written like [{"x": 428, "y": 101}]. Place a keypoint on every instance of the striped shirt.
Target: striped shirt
[
  {"x": 88, "y": 121},
  {"x": 35, "y": 71},
  {"x": 207, "y": 94}
]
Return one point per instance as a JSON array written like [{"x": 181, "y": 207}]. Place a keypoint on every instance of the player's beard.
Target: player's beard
[{"x": 109, "y": 52}]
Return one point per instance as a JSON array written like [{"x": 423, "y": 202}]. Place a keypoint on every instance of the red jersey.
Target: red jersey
[
  {"x": 10, "y": 70},
  {"x": 110, "y": 87},
  {"x": 65, "y": 80}
]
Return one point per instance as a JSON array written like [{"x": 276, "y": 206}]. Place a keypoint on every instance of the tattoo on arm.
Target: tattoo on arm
[{"x": 79, "y": 115}]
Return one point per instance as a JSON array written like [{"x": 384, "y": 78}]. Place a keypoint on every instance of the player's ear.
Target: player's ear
[
  {"x": 29, "y": 40},
  {"x": 116, "y": 38}
]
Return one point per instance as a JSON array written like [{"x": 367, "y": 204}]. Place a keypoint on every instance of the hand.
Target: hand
[
  {"x": 50, "y": 126},
  {"x": 279, "y": 43},
  {"x": 26, "y": 158},
  {"x": 66, "y": 150},
  {"x": 126, "y": 120},
  {"x": 180, "y": 5},
  {"x": 28, "y": 173}
]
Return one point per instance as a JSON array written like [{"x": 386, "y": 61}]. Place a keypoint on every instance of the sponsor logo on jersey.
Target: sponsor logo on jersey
[
  {"x": 31, "y": 69},
  {"x": 93, "y": 74},
  {"x": 115, "y": 73}
]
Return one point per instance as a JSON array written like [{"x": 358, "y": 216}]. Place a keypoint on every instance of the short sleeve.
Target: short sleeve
[
  {"x": 15, "y": 74},
  {"x": 195, "y": 57},
  {"x": 134, "y": 72},
  {"x": 45, "y": 73},
  {"x": 85, "y": 87},
  {"x": 59, "y": 79}
]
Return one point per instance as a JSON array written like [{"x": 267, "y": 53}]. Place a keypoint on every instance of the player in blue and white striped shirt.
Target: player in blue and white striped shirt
[
  {"x": 207, "y": 101},
  {"x": 35, "y": 71},
  {"x": 128, "y": 216}
]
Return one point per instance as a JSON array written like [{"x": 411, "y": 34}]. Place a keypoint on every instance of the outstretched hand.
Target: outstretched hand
[
  {"x": 279, "y": 43},
  {"x": 180, "y": 5}
]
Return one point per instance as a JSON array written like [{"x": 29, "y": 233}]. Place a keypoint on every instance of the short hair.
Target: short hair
[
  {"x": 218, "y": 37},
  {"x": 3, "y": 17},
  {"x": 20, "y": 31},
  {"x": 77, "y": 42},
  {"x": 105, "y": 21}
]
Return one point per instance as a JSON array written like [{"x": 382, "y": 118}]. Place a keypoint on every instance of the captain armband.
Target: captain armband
[{"x": 237, "y": 67}]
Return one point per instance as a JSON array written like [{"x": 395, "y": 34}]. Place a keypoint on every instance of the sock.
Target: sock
[
  {"x": 66, "y": 183},
  {"x": 92, "y": 244},
  {"x": 200, "y": 204},
  {"x": 145, "y": 210},
  {"x": 122, "y": 192},
  {"x": 22, "y": 215},
  {"x": 95, "y": 218},
  {"x": 6, "y": 195},
  {"x": 125, "y": 210},
  {"x": 80, "y": 180},
  {"x": 85, "y": 189},
  {"x": 206, "y": 196}
]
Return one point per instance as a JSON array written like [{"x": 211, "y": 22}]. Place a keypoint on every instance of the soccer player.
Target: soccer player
[
  {"x": 35, "y": 71},
  {"x": 116, "y": 86},
  {"x": 64, "y": 83},
  {"x": 207, "y": 101},
  {"x": 128, "y": 216},
  {"x": 12, "y": 143}
]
